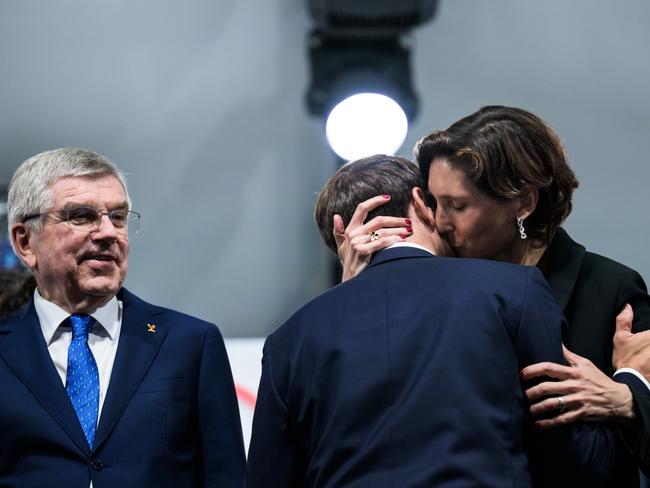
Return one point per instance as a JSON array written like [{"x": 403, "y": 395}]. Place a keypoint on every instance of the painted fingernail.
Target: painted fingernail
[
  {"x": 386, "y": 197},
  {"x": 409, "y": 230},
  {"x": 408, "y": 221},
  {"x": 403, "y": 236}
]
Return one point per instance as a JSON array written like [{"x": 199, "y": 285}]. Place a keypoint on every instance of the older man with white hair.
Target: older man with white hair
[{"x": 100, "y": 388}]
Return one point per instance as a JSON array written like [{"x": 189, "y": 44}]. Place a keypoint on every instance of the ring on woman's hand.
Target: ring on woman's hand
[
  {"x": 373, "y": 236},
  {"x": 562, "y": 405}
]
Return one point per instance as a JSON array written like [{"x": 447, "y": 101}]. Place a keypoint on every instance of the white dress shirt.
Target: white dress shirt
[
  {"x": 635, "y": 373},
  {"x": 102, "y": 339},
  {"x": 410, "y": 244}
]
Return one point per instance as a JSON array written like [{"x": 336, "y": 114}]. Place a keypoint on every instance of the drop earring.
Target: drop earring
[{"x": 520, "y": 226}]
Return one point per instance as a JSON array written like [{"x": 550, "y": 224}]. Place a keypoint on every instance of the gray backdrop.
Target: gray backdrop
[{"x": 201, "y": 102}]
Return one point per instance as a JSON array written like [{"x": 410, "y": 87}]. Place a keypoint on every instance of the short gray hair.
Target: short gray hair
[{"x": 30, "y": 189}]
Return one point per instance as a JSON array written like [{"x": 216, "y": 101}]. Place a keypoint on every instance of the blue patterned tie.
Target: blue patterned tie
[{"x": 82, "y": 383}]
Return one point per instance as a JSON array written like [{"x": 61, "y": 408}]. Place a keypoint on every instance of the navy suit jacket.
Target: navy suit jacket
[
  {"x": 408, "y": 376},
  {"x": 170, "y": 417}
]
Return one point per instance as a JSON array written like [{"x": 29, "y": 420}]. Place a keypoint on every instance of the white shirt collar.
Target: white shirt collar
[
  {"x": 410, "y": 244},
  {"x": 50, "y": 315}
]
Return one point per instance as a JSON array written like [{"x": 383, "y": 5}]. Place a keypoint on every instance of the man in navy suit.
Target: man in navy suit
[
  {"x": 408, "y": 374},
  {"x": 100, "y": 388}
]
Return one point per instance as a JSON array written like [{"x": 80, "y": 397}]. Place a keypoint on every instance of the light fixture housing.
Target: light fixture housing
[
  {"x": 344, "y": 66},
  {"x": 360, "y": 47},
  {"x": 370, "y": 17}
]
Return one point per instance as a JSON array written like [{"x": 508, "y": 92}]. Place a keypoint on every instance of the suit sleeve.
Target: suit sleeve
[
  {"x": 636, "y": 438},
  {"x": 582, "y": 452},
  {"x": 271, "y": 458},
  {"x": 222, "y": 457},
  {"x": 634, "y": 291}
]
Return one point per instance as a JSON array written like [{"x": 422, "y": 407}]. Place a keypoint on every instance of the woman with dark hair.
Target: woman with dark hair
[{"x": 502, "y": 188}]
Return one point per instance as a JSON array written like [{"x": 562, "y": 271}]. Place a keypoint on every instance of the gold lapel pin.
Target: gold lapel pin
[{"x": 151, "y": 328}]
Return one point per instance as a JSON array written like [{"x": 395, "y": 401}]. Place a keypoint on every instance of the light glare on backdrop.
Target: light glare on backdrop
[{"x": 366, "y": 124}]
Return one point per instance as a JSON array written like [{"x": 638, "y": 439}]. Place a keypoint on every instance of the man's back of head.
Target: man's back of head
[{"x": 357, "y": 182}]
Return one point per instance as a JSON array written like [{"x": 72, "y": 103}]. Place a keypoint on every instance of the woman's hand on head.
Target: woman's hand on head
[{"x": 357, "y": 242}]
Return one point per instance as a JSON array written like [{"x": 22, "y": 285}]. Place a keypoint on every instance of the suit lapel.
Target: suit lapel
[
  {"x": 23, "y": 348},
  {"x": 565, "y": 261},
  {"x": 140, "y": 339}
]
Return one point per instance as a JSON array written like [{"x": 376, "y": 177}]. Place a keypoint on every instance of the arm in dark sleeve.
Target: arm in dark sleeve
[
  {"x": 583, "y": 452},
  {"x": 271, "y": 457},
  {"x": 636, "y": 437},
  {"x": 634, "y": 291},
  {"x": 223, "y": 461}
]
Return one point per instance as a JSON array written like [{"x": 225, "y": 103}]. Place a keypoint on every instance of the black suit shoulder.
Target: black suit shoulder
[
  {"x": 604, "y": 286},
  {"x": 592, "y": 289},
  {"x": 607, "y": 271}
]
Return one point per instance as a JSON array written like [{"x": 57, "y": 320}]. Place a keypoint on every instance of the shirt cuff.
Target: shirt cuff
[{"x": 635, "y": 373}]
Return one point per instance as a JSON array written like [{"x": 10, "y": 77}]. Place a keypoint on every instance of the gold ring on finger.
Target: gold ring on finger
[{"x": 561, "y": 404}]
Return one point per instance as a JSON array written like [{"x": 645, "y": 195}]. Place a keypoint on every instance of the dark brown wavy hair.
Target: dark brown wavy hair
[{"x": 507, "y": 152}]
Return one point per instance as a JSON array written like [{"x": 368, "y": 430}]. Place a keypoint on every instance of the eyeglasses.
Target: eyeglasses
[{"x": 88, "y": 219}]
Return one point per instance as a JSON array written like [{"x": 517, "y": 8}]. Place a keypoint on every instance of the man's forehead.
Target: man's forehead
[{"x": 98, "y": 186}]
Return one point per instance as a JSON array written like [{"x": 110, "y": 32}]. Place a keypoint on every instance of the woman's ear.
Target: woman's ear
[
  {"x": 422, "y": 210},
  {"x": 527, "y": 203}
]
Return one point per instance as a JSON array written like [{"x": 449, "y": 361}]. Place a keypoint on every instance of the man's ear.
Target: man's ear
[
  {"x": 338, "y": 230},
  {"x": 527, "y": 203},
  {"x": 21, "y": 237},
  {"x": 422, "y": 210}
]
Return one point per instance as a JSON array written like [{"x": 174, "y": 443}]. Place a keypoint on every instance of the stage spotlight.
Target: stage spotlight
[
  {"x": 360, "y": 74},
  {"x": 365, "y": 124},
  {"x": 378, "y": 69}
]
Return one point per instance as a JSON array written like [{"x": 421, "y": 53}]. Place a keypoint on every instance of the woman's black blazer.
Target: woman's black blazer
[{"x": 592, "y": 290}]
